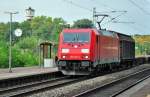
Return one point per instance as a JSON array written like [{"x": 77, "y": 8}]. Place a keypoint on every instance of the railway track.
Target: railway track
[
  {"x": 26, "y": 89},
  {"x": 10, "y": 82},
  {"x": 48, "y": 84},
  {"x": 40, "y": 86},
  {"x": 116, "y": 87}
]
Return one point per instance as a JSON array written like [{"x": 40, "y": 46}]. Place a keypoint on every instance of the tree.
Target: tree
[
  {"x": 26, "y": 28},
  {"x": 41, "y": 25},
  {"x": 83, "y": 23},
  {"x": 4, "y": 30},
  {"x": 28, "y": 43},
  {"x": 57, "y": 26},
  {"x": 142, "y": 44}
]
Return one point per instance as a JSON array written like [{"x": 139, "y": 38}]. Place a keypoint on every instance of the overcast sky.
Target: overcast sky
[{"x": 135, "y": 21}]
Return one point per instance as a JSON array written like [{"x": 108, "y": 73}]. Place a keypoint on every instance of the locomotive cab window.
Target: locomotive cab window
[{"x": 76, "y": 37}]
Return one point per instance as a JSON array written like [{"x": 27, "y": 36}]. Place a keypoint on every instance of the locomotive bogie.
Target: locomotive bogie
[{"x": 74, "y": 67}]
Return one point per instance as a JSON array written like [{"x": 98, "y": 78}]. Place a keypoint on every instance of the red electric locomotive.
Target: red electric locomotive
[{"x": 81, "y": 51}]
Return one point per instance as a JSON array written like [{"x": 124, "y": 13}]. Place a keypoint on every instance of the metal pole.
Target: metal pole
[
  {"x": 94, "y": 20},
  {"x": 10, "y": 40},
  {"x": 39, "y": 55}
]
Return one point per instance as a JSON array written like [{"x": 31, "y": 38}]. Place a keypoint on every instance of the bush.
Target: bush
[
  {"x": 30, "y": 59},
  {"x": 23, "y": 59},
  {"x": 3, "y": 55},
  {"x": 19, "y": 58}
]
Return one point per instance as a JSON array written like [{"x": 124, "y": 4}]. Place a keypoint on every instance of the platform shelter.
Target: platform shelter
[{"x": 45, "y": 52}]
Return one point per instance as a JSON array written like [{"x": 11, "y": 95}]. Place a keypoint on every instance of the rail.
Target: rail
[{"x": 115, "y": 87}]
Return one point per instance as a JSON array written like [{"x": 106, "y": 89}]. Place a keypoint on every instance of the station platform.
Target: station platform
[{"x": 25, "y": 71}]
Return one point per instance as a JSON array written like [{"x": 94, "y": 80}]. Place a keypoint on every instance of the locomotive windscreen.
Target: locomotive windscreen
[{"x": 76, "y": 37}]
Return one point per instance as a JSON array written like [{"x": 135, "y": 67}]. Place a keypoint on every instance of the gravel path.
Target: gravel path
[{"x": 68, "y": 91}]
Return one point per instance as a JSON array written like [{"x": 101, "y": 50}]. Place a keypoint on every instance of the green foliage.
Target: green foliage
[
  {"x": 17, "y": 58},
  {"x": 142, "y": 45},
  {"x": 83, "y": 23},
  {"x": 4, "y": 29},
  {"x": 57, "y": 26},
  {"x": 21, "y": 59},
  {"x": 3, "y": 55},
  {"x": 27, "y": 43},
  {"x": 24, "y": 48},
  {"x": 41, "y": 26},
  {"x": 26, "y": 28}
]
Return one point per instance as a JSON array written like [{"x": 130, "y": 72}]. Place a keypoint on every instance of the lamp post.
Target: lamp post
[
  {"x": 30, "y": 14},
  {"x": 10, "y": 39}
]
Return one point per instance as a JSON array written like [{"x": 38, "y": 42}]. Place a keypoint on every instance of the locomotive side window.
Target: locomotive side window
[{"x": 76, "y": 37}]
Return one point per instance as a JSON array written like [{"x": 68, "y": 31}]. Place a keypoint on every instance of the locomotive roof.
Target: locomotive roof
[
  {"x": 102, "y": 32},
  {"x": 124, "y": 37},
  {"x": 96, "y": 31},
  {"x": 78, "y": 30}
]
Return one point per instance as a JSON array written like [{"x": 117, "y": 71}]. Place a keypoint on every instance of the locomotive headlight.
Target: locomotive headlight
[
  {"x": 64, "y": 57},
  {"x": 85, "y": 50},
  {"x": 65, "y": 50},
  {"x": 86, "y": 57}
]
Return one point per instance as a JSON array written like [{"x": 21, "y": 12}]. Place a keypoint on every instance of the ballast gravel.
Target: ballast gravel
[{"x": 70, "y": 90}]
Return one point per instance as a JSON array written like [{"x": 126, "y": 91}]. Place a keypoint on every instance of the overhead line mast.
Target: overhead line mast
[{"x": 97, "y": 16}]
